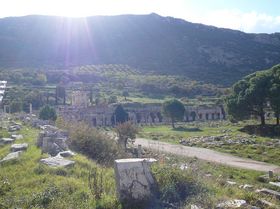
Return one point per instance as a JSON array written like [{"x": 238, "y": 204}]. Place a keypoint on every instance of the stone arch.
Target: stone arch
[
  {"x": 159, "y": 117},
  {"x": 94, "y": 121},
  {"x": 193, "y": 115},
  {"x": 138, "y": 117},
  {"x": 152, "y": 115}
]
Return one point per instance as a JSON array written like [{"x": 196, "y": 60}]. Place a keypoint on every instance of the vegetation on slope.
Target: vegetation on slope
[{"x": 148, "y": 42}]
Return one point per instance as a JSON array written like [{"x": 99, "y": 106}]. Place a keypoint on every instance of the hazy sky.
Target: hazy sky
[{"x": 245, "y": 15}]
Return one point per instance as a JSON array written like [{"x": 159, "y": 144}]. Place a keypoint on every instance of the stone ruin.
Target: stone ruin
[
  {"x": 53, "y": 141},
  {"x": 134, "y": 180},
  {"x": 148, "y": 114},
  {"x": 15, "y": 149}
]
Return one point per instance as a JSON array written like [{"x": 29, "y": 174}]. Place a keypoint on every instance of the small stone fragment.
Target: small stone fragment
[
  {"x": 231, "y": 183},
  {"x": 232, "y": 204},
  {"x": 11, "y": 156},
  {"x": 67, "y": 153},
  {"x": 183, "y": 167}
]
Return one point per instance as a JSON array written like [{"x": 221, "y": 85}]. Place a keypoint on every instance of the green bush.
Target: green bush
[
  {"x": 46, "y": 197},
  {"x": 47, "y": 113},
  {"x": 175, "y": 185},
  {"x": 93, "y": 143}
]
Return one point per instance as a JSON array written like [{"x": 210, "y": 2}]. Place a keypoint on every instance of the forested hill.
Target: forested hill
[{"x": 147, "y": 42}]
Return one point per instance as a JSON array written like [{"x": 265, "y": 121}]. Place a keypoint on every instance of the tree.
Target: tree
[
  {"x": 16, "y": 106},
  {"x": 120, "y": 115},
  {"x": 35, "y": 98},
  {"x": 249, "y": 96},
  {"x": 40, "y": 79},
  {"x": 174, "y": 109},
  {"x": 126, "y": 131},
  {"x": 60, "y": 92},
  {"x": 112, "y": 99},
  {"x": 274, "y": 92},
  {"x": 47, "y": 113}
]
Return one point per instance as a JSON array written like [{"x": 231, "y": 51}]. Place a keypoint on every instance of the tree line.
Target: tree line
[{"x": 255, "y": 95}]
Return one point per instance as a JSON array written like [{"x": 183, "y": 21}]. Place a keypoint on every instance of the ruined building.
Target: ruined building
[{"x": 103, "y": 115}]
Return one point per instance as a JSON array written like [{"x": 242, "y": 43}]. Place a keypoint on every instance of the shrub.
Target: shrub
[
  {"x": 174, "y": 185},
  {"x": 93, "y": 143},
  {"x": 47, "y": 113},
  {"x": 46, "y": 197}
]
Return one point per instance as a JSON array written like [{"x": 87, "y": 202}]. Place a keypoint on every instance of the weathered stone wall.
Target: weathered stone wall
[{"x": 149, "y": 114}]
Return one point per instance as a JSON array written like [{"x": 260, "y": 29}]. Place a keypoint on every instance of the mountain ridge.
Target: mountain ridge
[{"x": 151, "y": 42}]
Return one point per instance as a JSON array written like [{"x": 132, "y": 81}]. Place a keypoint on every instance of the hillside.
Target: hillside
[{"x": 147, "y": 42}]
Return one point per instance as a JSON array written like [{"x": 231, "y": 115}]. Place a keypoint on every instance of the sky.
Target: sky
[{"x": 252, "y": 16}]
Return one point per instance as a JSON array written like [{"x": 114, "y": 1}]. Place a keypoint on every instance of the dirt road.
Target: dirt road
[{"x": 208, "y": 155}]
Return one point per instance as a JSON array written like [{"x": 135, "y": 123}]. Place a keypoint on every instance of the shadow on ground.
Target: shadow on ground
[
  {"x": 266, "y": 130},
  {"x": 180, "y": 128}
]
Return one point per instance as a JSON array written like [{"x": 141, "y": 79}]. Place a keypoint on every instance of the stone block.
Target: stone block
[
  {"x": 67, "y": 153},
  {"x": 57, "y": 161},
  {"x": 232, "y": 204},
  {"x": 269, "y": 192},
  {"x": 19, "y": 147},
  {"x": 134, "y": 179},
  {"x": 16, "y": 136},
  {"x": 6, "y": 140},
  {"x": 11, "y": 156}
]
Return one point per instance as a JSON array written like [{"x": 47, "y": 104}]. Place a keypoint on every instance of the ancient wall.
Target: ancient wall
[{"x": 104, "y": 115}]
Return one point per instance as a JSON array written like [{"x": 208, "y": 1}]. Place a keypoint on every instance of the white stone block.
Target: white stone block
[{"x": 134, "y": 179}]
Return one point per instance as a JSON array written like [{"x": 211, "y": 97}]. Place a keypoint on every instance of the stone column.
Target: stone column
[
  {"x": 134, "y": 180},
  {"x": 30, "y": 108},
  {"x": 139, "y": 151}
]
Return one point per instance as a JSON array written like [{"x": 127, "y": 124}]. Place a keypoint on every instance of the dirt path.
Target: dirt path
[{"x": 208, "y": 155}]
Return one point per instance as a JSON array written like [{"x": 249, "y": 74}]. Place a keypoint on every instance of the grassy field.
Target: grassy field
[
  {"x": 26, "y": 183},
  {"x": 263, "y": 149}
]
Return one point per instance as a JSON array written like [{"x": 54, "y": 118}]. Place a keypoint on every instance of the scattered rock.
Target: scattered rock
[
  {"x": 208, "y": 175},
  {"x": 232, "y": 204},
  {"x": 263, "y": 178},
  {"x": 269, "y": 192},
  {"x": 57, "y": 161},
  {"x": 275, "y": 184},
  {"x": 246, "y": 186},
  {"x": 67, "y": 153},
  {"x": 134, "y": 179},
  {"x": 14, "y": 128},
  {"x": 265, "y": 203},
  {"x": 16, "y": 137},
  {"x": 195, "y": 207},
  {"x": 19, "y": 147},
  {"x": 6, "y": 140},
  {"x": 183, "y": 166},
  {"x": 11, "y": 156},
  {"x": 231, "y": 183}
]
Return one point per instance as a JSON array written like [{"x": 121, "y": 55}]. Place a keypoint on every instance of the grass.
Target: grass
[
  {"x": 212, "y": 181},
  {"x": 26, "y": 183},
  {"x": 261, "y": 151}
]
